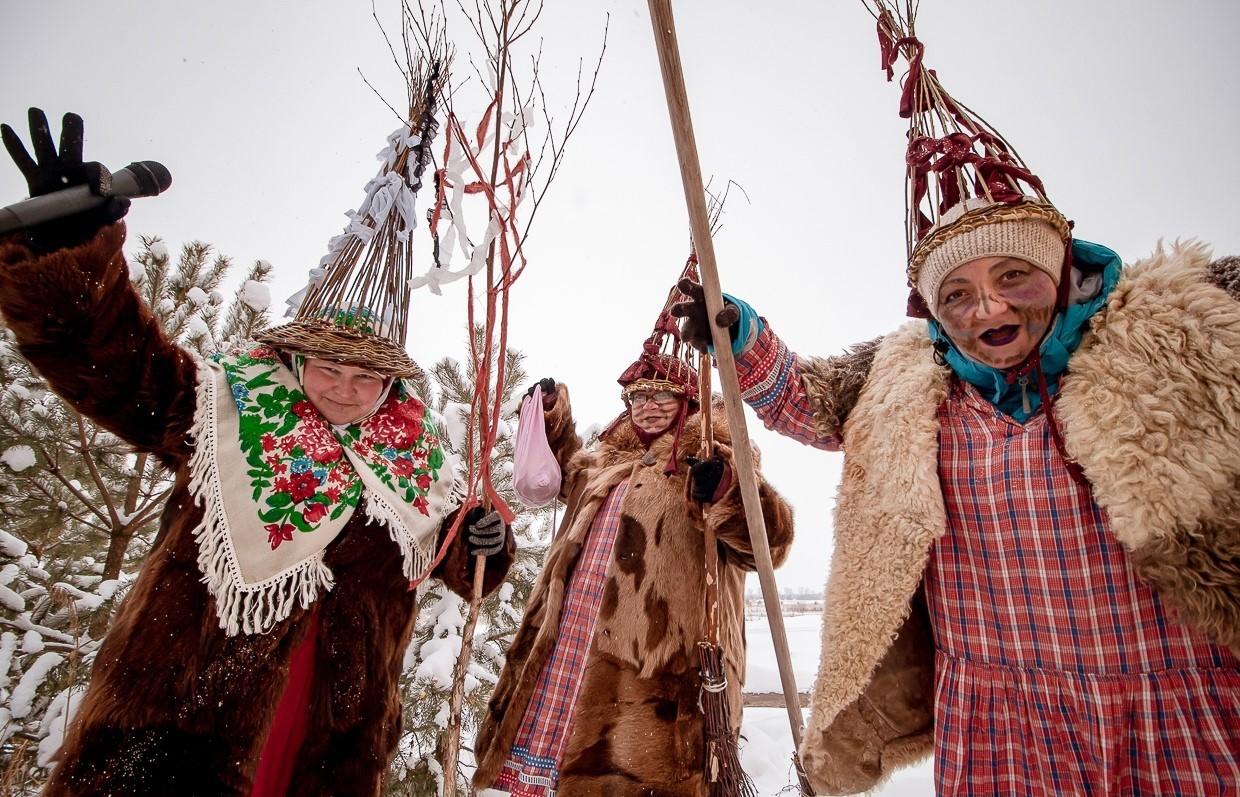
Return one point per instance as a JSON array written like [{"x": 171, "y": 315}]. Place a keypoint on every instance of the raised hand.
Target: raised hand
[
  {"x": 52, "y": 170},
  {"x": 548, "y": 389},
  {"x": 694, "y": 325}
]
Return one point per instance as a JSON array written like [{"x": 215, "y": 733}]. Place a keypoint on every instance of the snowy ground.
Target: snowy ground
[
  {"x": 803, "y": 640},
  {"x": 767, "y": 751}
]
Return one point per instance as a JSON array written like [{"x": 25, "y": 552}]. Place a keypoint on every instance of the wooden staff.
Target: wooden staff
[
  {"x": 705, "y": 451},
  {"x": 691, "y": 180},
  {"x": 456, "y": 698}
]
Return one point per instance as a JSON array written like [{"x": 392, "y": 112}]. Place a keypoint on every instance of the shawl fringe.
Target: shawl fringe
[{"x": 255, "y": 608}]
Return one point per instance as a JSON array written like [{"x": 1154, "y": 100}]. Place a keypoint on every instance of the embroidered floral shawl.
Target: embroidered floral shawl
[{"x": 277, "y": 484}]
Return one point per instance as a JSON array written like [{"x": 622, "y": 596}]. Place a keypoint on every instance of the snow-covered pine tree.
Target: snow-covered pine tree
[
  {"x": 427, "y": 679},
  {"x": 77, "y": 507}
]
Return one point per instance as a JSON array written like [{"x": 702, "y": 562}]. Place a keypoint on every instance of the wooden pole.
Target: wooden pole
[
  {"x": 711, "y": 542},
  {"x": 456, "y": 698},
  {"x": 691, "y": 178}
]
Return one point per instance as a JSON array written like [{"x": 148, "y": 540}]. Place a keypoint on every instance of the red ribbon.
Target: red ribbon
[
  {"x": 886, "y": 43},
  {"x": 993, "y": 169},
  {"x": 996, "y": 171},
  {"x": 955, "y": 152},
  {"x": 920, "y": 151}
]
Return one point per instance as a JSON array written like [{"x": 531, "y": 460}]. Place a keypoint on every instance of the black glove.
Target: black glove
[
  {"x": 549, "y": 392},
  {"x": 694, "y": 328},
  {"x": 485, "y": 532},
  {"x": 54, "y": 171},
  {"x": 704, "y": 477}
]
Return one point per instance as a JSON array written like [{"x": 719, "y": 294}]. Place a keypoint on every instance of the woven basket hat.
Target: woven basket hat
[
  {"x": 655, "y": 370},
  {"x": 970, "y": 195},
  {"x": 666, "y": 362},
  {"x": 356, "y": 308}
]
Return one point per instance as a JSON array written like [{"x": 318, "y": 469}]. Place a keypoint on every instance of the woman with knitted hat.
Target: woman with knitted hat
[
  {"x": 600, "y": 688},
  {"x": 1036, "y": 572},
  {"x": 259, "y": 650}
]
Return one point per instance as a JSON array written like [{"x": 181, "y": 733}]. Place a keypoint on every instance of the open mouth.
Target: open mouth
[{"x": 1000, "y": 336}]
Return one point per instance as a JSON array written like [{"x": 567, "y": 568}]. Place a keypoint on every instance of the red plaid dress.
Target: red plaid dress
[
  {"x": 1058, "y": 672},
  {"x": 532, "y": 767}
]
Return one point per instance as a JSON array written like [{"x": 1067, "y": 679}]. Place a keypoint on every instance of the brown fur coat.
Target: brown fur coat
[
  {"x": 174, "y": 705},
  {"x": 1150, "y": 407},
  {"x": 636, "y": 729}
]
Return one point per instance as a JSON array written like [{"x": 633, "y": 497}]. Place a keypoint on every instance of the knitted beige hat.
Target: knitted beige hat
[
  {"x": 1030, "y": 231},
  {"x": 969, "y": 194}
]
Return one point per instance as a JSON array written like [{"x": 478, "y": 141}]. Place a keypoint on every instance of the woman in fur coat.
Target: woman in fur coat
[
  {"x": 1036, "y": 572},
  {"x": 599, "y": 694},
  {"x": 259, "y": 650}
]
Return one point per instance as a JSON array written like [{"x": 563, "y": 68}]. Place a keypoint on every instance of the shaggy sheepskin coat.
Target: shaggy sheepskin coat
[
  {"x": 1150, "y": 408},
  {"x": 637, "y": 729},
  {"x": 175, "y": 706}
]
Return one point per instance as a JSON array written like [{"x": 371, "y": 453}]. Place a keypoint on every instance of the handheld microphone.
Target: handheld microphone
[{"x": 143, "y": 178}]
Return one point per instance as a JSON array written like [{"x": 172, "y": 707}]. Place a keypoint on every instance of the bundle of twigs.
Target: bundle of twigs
[
  {"x": 723, "y": 772},
  {"x": 492, "y": 166},
  {"x": 370, "y": 264},
  {"x": 664, "y": 29},
  {"x": 722, "y": 769}
]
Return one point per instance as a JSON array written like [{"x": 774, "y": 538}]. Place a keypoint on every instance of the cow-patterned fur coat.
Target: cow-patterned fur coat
[
  {"x": 174, "y": 705},
  {"x": 637, "y": 729},
  {"x": 1150, "y": 408}
]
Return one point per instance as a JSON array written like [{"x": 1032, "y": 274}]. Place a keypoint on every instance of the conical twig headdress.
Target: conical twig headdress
[
  {"x": 970, "y": 195},
  {"x": 666, "y": 362},
  {"x": 357, "y": 310}
]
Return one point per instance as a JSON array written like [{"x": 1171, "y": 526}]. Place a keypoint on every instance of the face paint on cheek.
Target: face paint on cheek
[
  {"x": 1033, "y": 301},
  {"x": 956, "y": 317},
  {"x": 1036, "y": 320}
]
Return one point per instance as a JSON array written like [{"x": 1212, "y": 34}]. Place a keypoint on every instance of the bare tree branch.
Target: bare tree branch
[
  {"x": 52, "y": 496},
  {"x": 100, "y": 484}
]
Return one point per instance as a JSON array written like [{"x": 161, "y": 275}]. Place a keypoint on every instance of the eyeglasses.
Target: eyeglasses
[{"x": 660, "y": 397}]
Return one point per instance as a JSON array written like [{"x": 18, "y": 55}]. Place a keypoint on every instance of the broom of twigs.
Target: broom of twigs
[
  {"x": 724, "y": 775},
  {"x": 722, "y": 769}
]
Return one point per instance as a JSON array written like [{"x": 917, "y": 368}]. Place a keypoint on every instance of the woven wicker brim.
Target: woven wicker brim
[
  {"x": 329, "y": 342},
  {"x": 652, "y": 385},
  {"x": 978, "y": 218}
]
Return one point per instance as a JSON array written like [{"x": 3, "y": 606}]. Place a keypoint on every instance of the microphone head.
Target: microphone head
[{"x": 148, "y": 177}]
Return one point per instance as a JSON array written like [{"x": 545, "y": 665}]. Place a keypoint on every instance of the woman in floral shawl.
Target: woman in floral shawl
[{"x": 259, "y": 650}]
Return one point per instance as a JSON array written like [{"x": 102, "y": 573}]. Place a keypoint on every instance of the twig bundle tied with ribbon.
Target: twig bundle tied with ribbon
[
  {"x": 356, "y": 304},
  {"x": 493, "y": 174},
  {"x": 667, "y": 362},
  {"x": 725, "y": 777}
]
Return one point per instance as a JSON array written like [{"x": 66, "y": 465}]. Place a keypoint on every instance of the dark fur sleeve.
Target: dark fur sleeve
[
  {"x": 81, "y": 325},
  {"x": 727, "y": 518},
  {"x": 1225, "y": 273},
  {"x": 456, "y": 570},
  {"x": 832, "y": 384}
]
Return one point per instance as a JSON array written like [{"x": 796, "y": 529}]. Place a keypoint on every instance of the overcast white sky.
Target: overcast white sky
[{"x": 1126, "y": 109}]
